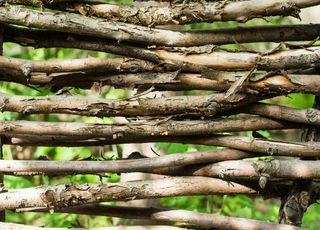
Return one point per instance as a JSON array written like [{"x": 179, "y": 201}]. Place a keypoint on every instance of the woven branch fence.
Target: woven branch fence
[{"x": 154, "y": 58}]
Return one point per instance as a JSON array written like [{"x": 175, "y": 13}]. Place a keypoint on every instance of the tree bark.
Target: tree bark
[
  {"x": 204, "y": 106},
  {"x": 199, "y": 219},
  {"x": 256, "y": 145},
  {"x": 67, "y": 195},
  {"x": 119, "y": 31},
  {"x": 190, "y": 12},
  {"x": 120, "y": 166},
  {"x": 141, "y": 129},
  {"x": 9, "y": 226}
]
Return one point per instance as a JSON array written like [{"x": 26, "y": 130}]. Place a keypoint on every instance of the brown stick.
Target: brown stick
[
  {"x": 9, "y": 226},
  {"x": 304, "y": 116},
  {"x": 192, "y": 12},
  {"x": 262, "y": 146},
  {"x": 120, "y": 166},
  {"x": 283, "y": 60},
  {"x": 229, "y": 169},
  {"x": 199, "y": 219},
  {"x": 92, "y": 65},
  {"x": 67, "y": 195},
  {"x": 2, "y": 214},
  {"x": 203, "y": 106},
  {"x": 210, "y": 80},
  {"x": 119, "y": 31},
  {"x": 140, "y": 129},
  {"x": 245, "y": 169}
]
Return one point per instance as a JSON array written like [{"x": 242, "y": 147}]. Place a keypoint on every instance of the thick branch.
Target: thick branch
[
  {"x": 91, "y": 65},
  {"x": 199, "y": 219},
  {"x": 210, "y": 80},
  {"x": 263, "y": 146},
  {"x": 81, "y": 25},
  {"x": 67, "y": 195},
  {"x": 248, "y": 169},
  {"x": 140, "y": 129},
  {"x": 9, "y": 226},
  {"x": 304, "y": 116},
  {"x": 120, "y": 166},
  {"x": 292, "y": 59},
  {"x": 43, "y": 38},
  {"x": 208, "y": 105},
  {"x": 190, "y": 12},
  {"x": 185, "y": 165}
]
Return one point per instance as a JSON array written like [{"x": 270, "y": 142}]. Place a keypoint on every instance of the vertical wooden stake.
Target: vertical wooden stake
[{"x": 2, "y": 214}]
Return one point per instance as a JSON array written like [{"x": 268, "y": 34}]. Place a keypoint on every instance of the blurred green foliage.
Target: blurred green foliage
[{"x": 239, "y": 206}]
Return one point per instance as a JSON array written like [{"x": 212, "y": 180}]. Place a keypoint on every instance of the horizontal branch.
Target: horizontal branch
[
  {"x": 179, "y": 105},
  {"x": 87, "y": 65},
  {"x": 304, "y": 116},
  {"x": 191, "y": 164},
  {"x": 190, "y": 12},
  {"x": 140, "y": 129},
  {"x": 199, "y": 219},
  {"x": 279, "y": 84},
  {"x": 203, "y": 105},
  {"x": 122, "y": 32},
  {"x": 67, "y": 195},
  {"x": 292, "y": 59},
  {"x": 256, "y": 145},
  {"x": 248, "y": 169},
  {"x": 9, "y": 226},
  {"x": 119, "y": 166}
]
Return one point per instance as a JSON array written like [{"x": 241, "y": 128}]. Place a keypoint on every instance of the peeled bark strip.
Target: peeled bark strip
[
  {"x": 189, "y": 12},
  {"x": 119, "y": 166},
  {"x": 199, "y": 219},
  {"x": 205, "y": 106},
  {"x": 9, "y": 226},
  {"x": 67, "y": 195},
  {"x": 141, "y": 129}
]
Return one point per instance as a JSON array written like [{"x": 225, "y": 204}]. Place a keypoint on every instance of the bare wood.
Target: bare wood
[
  {"x": 205, "y": 105},
  {"x": 66, "y": 195},
  {"x": 191, "y": 12},
  {"x": 142, "y": 129},
  {"x": 198, "y": 219},
  {"x": 21, "y": 167},
  {"x": 9, "y": 226}
]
